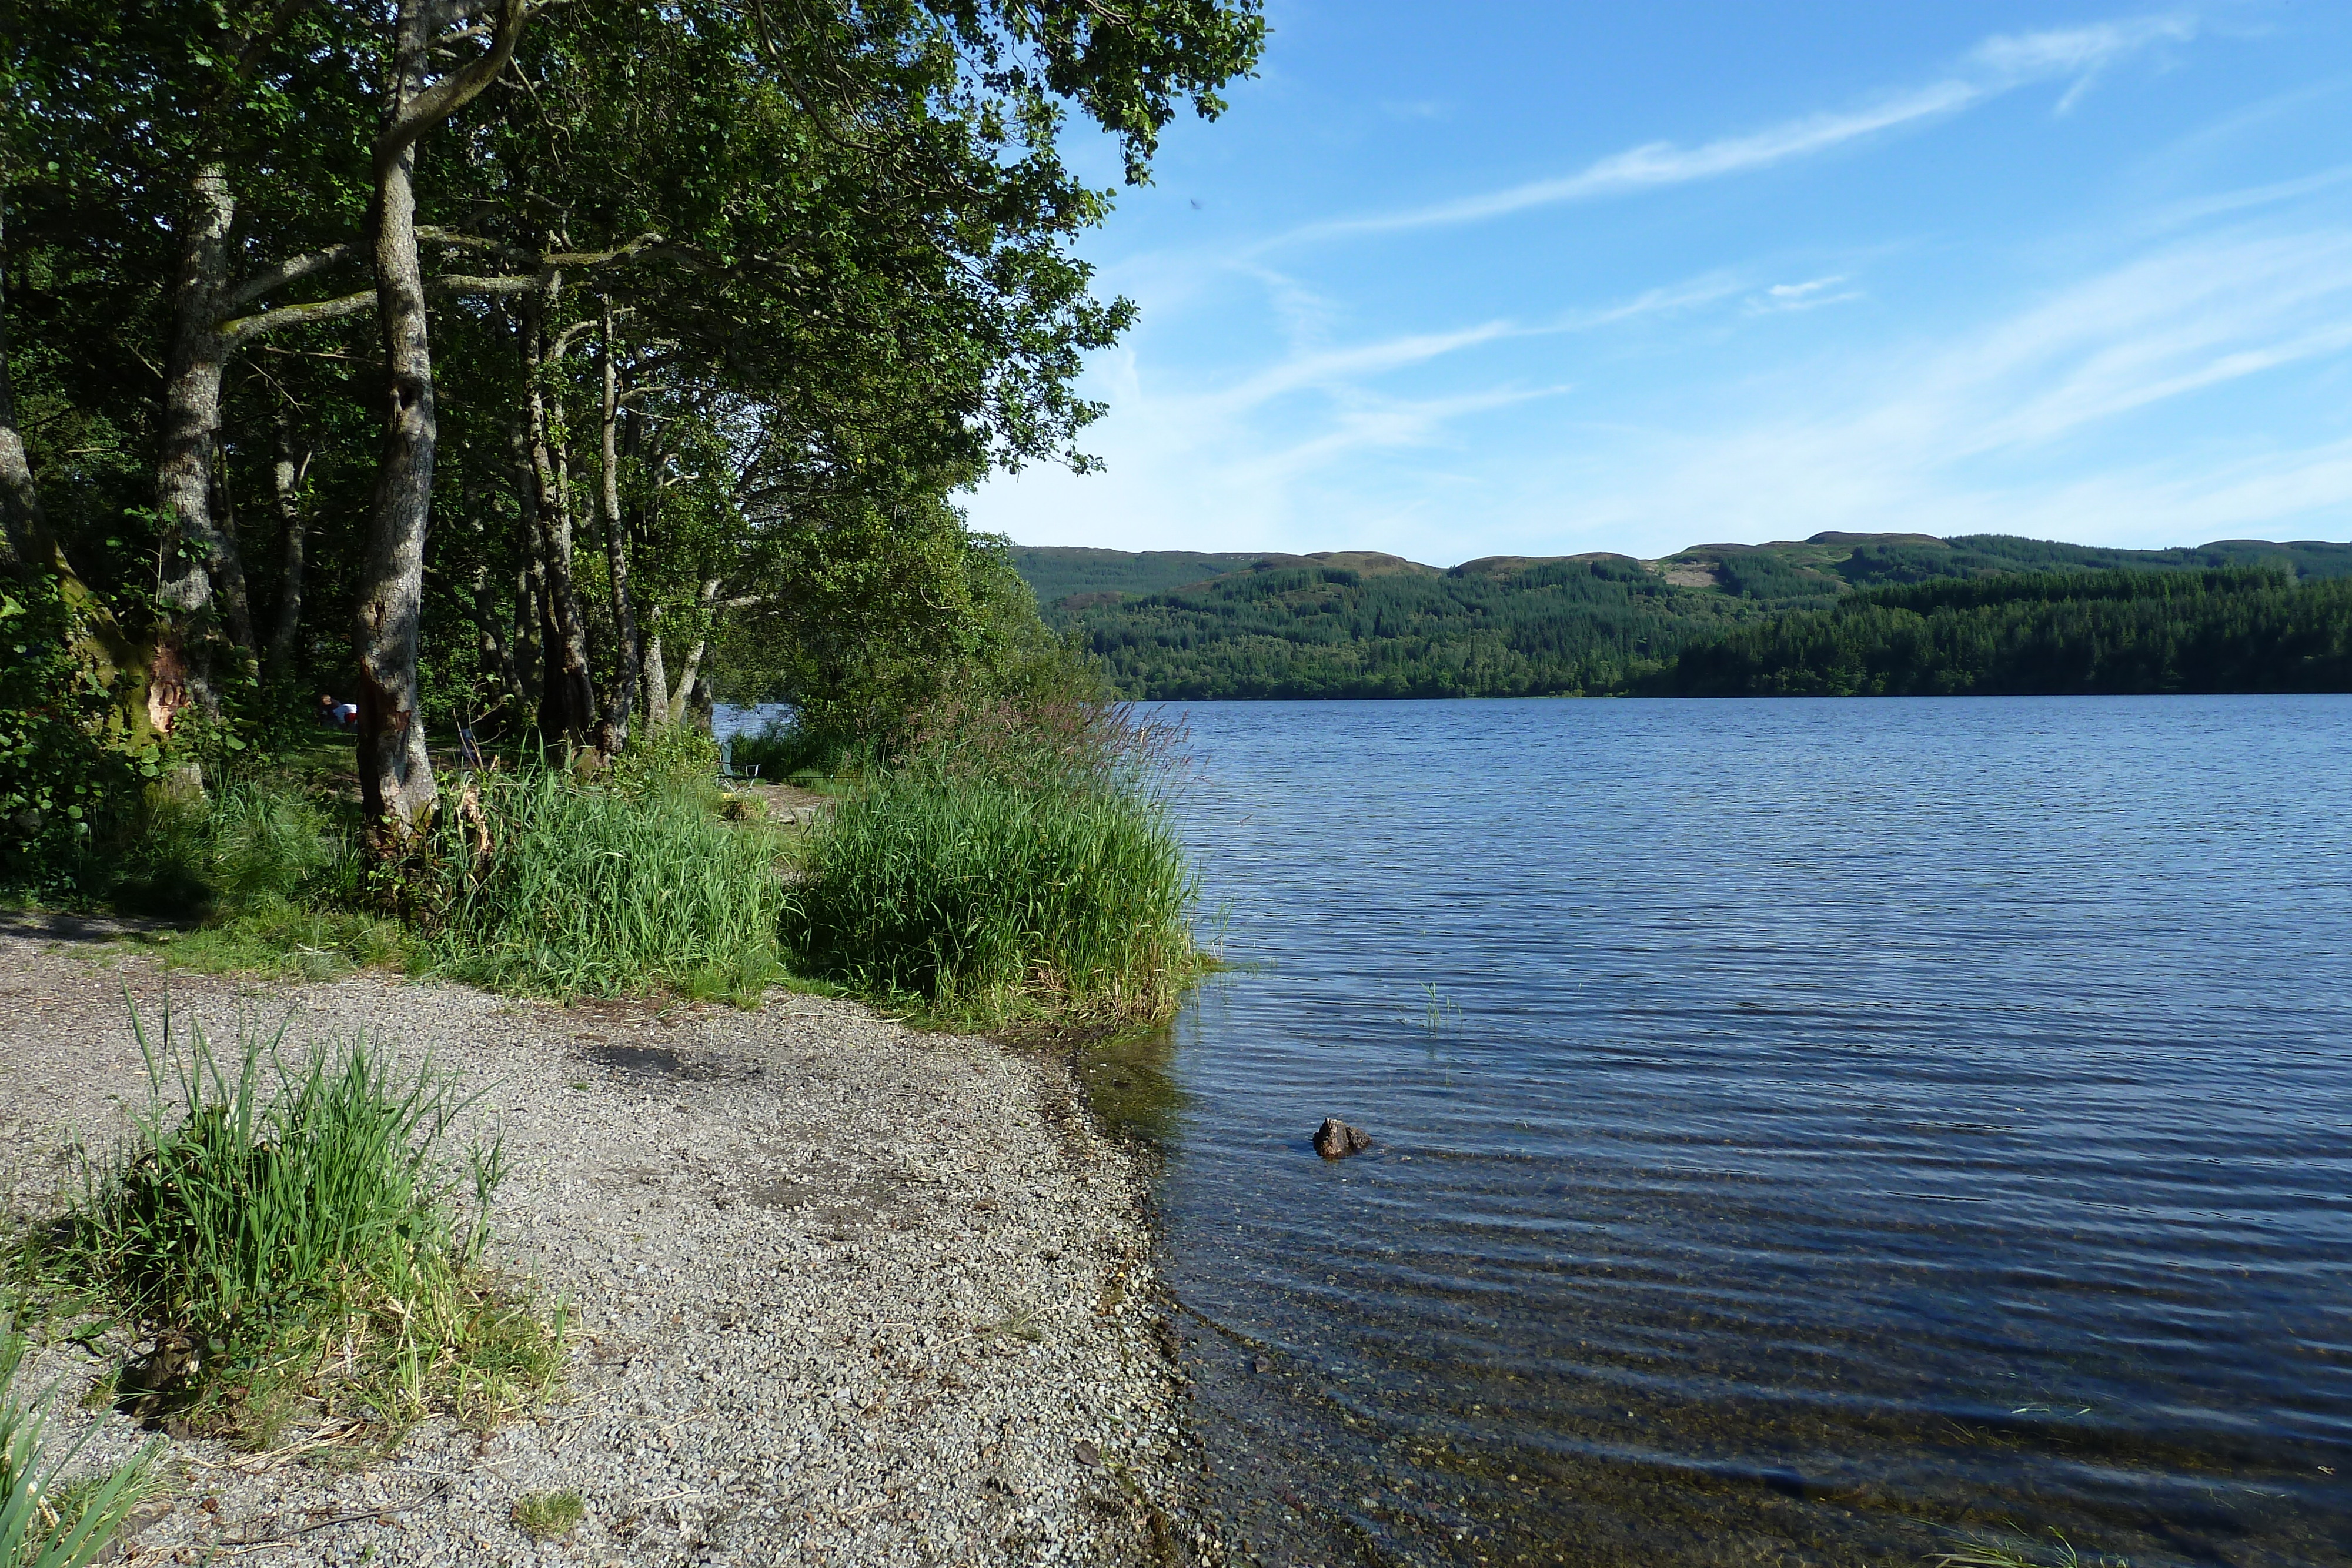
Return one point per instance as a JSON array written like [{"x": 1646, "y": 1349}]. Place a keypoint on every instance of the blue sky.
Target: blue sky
[{"x": 1491, "y": 278}]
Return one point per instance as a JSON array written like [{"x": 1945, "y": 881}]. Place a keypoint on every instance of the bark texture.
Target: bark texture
[
  {"x": 567, "y": 703},
  {"x": 286, "y": 475},
  {"x": 613, "y": 732},
  {"x": 190, "y": 435},
  {"x": 397, "y": 784}
]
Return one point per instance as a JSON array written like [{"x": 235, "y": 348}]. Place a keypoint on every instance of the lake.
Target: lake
[{"x": 1807, "y": 1132}]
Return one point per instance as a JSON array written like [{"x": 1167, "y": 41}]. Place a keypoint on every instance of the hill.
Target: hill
[
  {"x": 1364, "y": 624},
  {"x": 2240, "y": 628}
]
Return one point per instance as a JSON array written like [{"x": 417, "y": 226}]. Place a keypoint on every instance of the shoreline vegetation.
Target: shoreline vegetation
[{"x": 1838, "y": 615}]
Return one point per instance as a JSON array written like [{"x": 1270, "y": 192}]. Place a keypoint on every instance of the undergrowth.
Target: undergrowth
[
  {"x": 552, "y": 886},
  {"x": 1014, "y": 869},
  {"x": 300, "y": 1240}
]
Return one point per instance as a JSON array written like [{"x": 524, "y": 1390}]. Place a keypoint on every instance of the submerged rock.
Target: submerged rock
[{"x": 1334, "y": 1140}]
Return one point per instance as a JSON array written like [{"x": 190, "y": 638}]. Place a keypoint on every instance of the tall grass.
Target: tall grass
[
  {"x": 545, "y": 884},
  {"x": 1015, "y": 866},
  {"x": 301, "y": 1237},
  {"x": 47, "y": 1519},
  {"x": 241, "y": 847}
]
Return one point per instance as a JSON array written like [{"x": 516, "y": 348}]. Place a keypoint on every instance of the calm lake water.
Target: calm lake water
[{"x": 1808, "y": 1132}]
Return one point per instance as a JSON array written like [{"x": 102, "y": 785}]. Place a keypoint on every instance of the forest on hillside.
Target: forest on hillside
[
  {"x": 1300, "y": 627},
  {"x": 2046, "y": 633}
]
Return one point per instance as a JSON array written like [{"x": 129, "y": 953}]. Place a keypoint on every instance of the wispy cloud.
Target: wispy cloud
[
  {"x": 1999, "y": 65},
  {"x": 1964, "y": 437},
  {"x": 1782, "y": 297}
]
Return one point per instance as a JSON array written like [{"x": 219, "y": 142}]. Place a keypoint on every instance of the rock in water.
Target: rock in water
[{"x": 1334, "y": 1140}]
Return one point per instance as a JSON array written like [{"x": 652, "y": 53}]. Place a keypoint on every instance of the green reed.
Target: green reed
[
  {"x": 47, "y": 1518},
  {"x": 1006, "y": 871},
  {"x": 543, "y": 884}
]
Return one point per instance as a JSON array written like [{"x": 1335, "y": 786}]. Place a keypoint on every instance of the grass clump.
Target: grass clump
[
  {"x": 241, "y": 847},
  {"x": 48, "y": 1519},
  {"x": 547, "y": 1515},
  {"x": 1997, "y": 1554},
  {"x": 547, "y": 885},
  {"x": 1015, "y": 867},
  {"x": 301, "y": 1241}
]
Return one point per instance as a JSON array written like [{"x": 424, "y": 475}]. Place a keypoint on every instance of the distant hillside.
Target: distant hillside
[
  {"x": 2236, "y": 630},
  {"x": 1056, "y": 572},
  {"x": 1176, "y": 624}
]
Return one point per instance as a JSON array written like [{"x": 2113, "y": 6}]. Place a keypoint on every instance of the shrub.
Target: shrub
[
  {"x": 46, "y": 1520},
  {"x": 293, "y": 1236},
  {"x": 1017, "y": 864},
  {"x": 781, "y": 748},
  {"x": 551, "y": 886},
  {"x": 70, "y": 771}
]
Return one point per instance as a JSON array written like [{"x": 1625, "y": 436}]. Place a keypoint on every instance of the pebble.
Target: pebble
[{"x": 841, "y": 1292}]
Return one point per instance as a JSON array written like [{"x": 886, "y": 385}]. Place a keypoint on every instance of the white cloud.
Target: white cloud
[
  {"x": 1963, "y": 436},
  {"x": 1782, "y": 297},
  {"x": 2031, "y": 57},
  {"x": 1997, "y": 65}
]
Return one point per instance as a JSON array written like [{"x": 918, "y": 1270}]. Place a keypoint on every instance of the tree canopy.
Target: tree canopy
[{"x": 502, "y": 361}]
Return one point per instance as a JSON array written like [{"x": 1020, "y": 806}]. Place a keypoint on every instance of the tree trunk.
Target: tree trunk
[
  {"x": 397, "y": 787},
  {"x": 497, "y": 659},
  {"x": 678, "y": 698},
  {"x": 567, "y": 701},
  {"x": 612, "y": 734},
  {"x": 191, "y": 417},
  {"x": 534, "y": 645},
  {"x": 286, "y": 475},
  {"x": 525, "y": 640},
  {"x": 656, "y": 674},
  {"x": 235, "y": 606}
]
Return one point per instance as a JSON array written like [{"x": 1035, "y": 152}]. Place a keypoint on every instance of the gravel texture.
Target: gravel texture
[{"x": 841, "y": 1292}]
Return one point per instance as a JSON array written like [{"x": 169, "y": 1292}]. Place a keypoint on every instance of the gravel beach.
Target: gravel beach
[{"x": 841, "y": 1292}]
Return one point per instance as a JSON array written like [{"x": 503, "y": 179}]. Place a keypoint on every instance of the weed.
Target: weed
[
  {"x": 1020, "y": 1325},
  {"x": 294, "y": 1237},
  {"x": 1995, "y": 1554},
  {"x": 548, "y": 1514}
]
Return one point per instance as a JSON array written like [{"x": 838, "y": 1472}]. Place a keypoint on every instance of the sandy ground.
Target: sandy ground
[{"x": 805, "y": 1248}]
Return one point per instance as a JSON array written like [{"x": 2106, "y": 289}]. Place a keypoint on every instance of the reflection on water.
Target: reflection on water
[{"x": 1807, "y": 1132}]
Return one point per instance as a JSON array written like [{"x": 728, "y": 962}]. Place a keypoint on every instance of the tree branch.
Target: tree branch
[
  {"x": 263, "y": 285},
  {"x": 454, "y": 91},
  {"x": 248, "y": 328},
  {"x": 245, "y": 329}
]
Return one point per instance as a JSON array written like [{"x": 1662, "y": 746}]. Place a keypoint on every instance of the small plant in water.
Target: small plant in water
[
  {"x": 1997, "y": 1554},
  {"x": 548, "y": 1514},
  {"x": 1438, "y": 1011}
]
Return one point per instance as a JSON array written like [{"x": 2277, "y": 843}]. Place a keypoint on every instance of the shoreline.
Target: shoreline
[{"x": 839, "y": 1291}]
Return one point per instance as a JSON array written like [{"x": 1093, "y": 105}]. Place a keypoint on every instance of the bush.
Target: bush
[
  {"x": 293, "y": 1238},
  {"x": 70, "y": 771},
  {"x": 1018, "y": 864},
  {"x": 543, "y": 883},
  {"x": 46, "y": 1520},
  {"x": 783, "y": 747}
]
